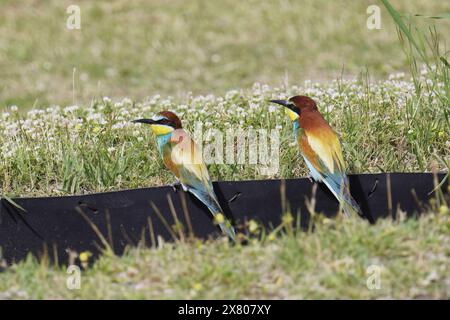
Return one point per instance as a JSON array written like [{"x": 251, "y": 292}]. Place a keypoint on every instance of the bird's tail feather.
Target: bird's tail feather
[
  {"x": 226, "y": 227},
  {"x": 215, "y": 209},
  {"x": 350, "y": 207}
]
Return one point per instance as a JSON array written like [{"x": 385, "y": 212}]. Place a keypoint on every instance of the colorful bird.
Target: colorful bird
[
  {"x": 182, "y": 157},
  {"x": 321, "y": 149}
]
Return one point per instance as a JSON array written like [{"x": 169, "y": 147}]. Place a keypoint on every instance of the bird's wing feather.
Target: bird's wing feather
[
  {"x": 322, "y": 152},
  {"x": 323, "y": 144},
  {"x": 186, "y": 157}
]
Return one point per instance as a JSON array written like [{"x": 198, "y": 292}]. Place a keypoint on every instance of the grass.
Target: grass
[
  {"x": 395, "y": 125},
  {"x": 427, "y": 47},
  {"x": 333, "y": 262},
  {"x": 202, "y": 58},
  {"x": 384, "y": 126},
  {"x": 141, "y": 48}
]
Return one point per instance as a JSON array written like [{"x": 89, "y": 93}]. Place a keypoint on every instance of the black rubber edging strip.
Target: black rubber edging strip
[{"x": 55, "y": 226}]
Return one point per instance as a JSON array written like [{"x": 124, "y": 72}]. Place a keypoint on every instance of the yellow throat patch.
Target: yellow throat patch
[
  {"x": 160, "y": 129},
  {"x": 292, "y": 115}
]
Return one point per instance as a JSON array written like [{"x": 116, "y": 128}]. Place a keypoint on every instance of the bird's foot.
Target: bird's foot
[
  {"x": 175, "y": 186},
  {"x": 309, "y": 177}
]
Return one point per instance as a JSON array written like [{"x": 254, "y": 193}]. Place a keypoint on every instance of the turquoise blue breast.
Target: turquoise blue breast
[
  {"x": 296, "y": 127},
  {"x": 162, "y": 141}
]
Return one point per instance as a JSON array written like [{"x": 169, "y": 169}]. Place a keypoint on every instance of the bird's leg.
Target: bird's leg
[{"x": 175, "y": 185}]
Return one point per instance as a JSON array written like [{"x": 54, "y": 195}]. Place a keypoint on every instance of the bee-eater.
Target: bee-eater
[
  {"x": 182, "y": 157},
  {"x": 321, "y": 149}
]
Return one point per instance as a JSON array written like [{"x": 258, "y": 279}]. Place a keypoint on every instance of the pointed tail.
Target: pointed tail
[
  {"x": 350, "y": 207},
  {"x": 213, "y": 205},
  {"x": 340, "y": 189},
  {"x": 226, "y": 226}
]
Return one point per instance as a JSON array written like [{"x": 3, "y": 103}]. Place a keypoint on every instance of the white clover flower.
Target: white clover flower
[
  {"x": 111, "y": 149},
  {"x": 239, "y": 109},
  {"x": 272, "y": 108},
  {"x": 231, "y": 94},
  {"x": 8, "y": 154},
  {"x": 155, "y": 98},
  {"x": 68, "y": 109},
  {"x": 94, "y": 116},
  {"x": 253, "y": 106},
  {"x": 127, "y": 101},
  {"x": 119, "y": 125},
  {"x": 329, "y": 108}
]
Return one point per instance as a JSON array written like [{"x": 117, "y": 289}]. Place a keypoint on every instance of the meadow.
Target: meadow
[
  {"x": 384, "y": 126},
  {"x": 67, "y": 98}
]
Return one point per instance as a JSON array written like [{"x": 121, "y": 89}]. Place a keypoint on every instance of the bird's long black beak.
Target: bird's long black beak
[
  {"x": 285, "y": 103},
  {"x": 147, "y": 121}
]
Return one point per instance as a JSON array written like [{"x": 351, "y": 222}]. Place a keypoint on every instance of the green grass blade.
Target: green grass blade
[
  {"x": 445, "y": 62},
  {"x": 440, "y": 16},
  {"x": 402, "y": 26},
  {"x": 12, "y": 202}
]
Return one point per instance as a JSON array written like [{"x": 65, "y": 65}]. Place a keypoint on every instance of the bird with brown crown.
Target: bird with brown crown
[
  {"x": 321, "y": 149},
  {"x": 182, "y": 157}
]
